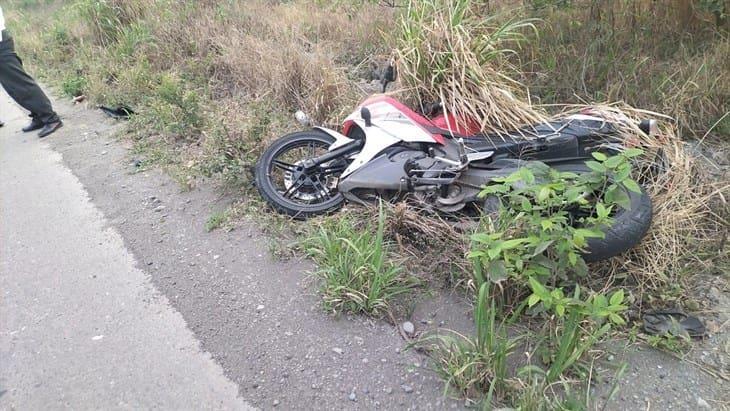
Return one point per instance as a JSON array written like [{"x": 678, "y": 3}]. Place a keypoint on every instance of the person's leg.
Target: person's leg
[{"x": 21, "y": 87}]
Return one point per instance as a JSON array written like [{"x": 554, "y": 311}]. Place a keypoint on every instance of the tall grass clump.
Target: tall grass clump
[
  {"x": 474, "y": 366},
  {"x": 356, "y": 269},
  {"x": 108, "y": 18},
  {"x": 454, "y": 52}
]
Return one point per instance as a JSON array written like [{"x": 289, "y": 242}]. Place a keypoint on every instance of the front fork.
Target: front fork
[{"x": 347, "y": 149}]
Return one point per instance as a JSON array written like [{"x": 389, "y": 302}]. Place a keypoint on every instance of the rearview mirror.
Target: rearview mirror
[
  {"x": 365, "y": 114},
  {"x": 389, "y": 75}
]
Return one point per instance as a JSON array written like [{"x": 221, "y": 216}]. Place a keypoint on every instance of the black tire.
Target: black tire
[
  {"x": 268, "y": 189},
  {"x": 628, "y": 227}
]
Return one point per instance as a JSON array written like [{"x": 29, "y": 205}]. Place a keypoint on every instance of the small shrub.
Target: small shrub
[
  {"x": 546, "y": 216},
  {"x": 216, "y": 220},
  {"x": 176, "y": 109},
  {"x": 131, "y": 38},
  {"x": 74, "y": 85},
  {"x": 355, "y": 269}
]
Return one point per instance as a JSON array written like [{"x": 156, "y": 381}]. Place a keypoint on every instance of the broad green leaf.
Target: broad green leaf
[
  {"x": 542, "y": 247},
  {"x": 483, "y": 238},
  {"x": 497, "y": 271},
  {"x": 617, "y": 297},
  {"x": 539, "y": 289},
  {"x": 631, "y": 185},
  {"x": 587, "y": 233},
  {"x": 526, "y": 175},
  {"x": 526, "y": 205},
  {"x": 616, "y": 319},
  {"x": 596, "y": 166},
  {"x": 543, "y": 194},
  {"x": 510, "y": 244},
  {"x": 623, "y": 172},
  {"x": 572, "y": 194},
  {"x": 632, "y": 152},
  {"x": 581, "y": 269},
  {"x": 613, "y": 162},
  {"x": 534, "y": 299},
  {"x": 599, "y": 156},
  {"x": 572, "y": 258}
]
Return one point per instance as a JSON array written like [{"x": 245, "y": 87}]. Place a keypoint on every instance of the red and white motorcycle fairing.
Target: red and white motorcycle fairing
[{"x": 391, "y": 123}]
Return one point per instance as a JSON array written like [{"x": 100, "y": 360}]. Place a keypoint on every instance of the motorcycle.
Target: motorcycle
[{"x": 386, "y": 150}]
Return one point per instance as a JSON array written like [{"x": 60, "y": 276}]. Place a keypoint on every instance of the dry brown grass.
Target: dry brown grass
[
  {"x": 432, "y": 246},
  {"x": 450, "y": 51}
]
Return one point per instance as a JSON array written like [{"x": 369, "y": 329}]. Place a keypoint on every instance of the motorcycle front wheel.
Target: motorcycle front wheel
[{"x": 287, "y": 187}]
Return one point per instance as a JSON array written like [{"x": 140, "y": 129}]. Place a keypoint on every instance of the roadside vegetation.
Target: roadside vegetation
[{"x": 213, "y": 82}]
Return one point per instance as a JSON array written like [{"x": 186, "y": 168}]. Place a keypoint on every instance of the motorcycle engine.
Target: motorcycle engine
[{"x": 401, "y": 171}]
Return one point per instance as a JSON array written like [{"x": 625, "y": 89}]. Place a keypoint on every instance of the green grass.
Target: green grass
[
  {"x": 74, "y": 86},
  {"x": 216, "y": 220},
  {"x": 474, "y": 367},
  {"x": 356, "y": 272}
]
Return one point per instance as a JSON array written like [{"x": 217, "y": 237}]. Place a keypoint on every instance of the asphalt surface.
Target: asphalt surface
[{"x": 80, "y": 325}]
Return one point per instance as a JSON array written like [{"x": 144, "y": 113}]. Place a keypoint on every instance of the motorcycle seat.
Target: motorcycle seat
[{"x": 577, "y": 128}]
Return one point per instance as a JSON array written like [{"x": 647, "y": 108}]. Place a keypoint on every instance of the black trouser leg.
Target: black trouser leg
[{"x": 20, "y": 86}]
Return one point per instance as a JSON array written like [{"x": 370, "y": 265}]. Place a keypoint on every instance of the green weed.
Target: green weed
[
  {"x": 216, "y": 220},
  {"x": 74, "y": 85},
  {"x": 474, "y": 366},
  {"x": 355, "y": 269},
  {"x": 527, "y": 250},
  {"x": 674, "y": 344}
]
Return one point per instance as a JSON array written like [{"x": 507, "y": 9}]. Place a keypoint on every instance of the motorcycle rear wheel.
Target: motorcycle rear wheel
[
  {"x": 283, "y": 185},
  {"x": 628, "y": 226}
]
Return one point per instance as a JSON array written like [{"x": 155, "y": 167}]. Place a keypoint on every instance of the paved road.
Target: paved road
[{"x": 80, "y": 325}]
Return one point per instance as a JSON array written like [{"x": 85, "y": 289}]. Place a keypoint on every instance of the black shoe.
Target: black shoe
[
  {"x": 1, "y": 123},
  {"x": 35, "y": 124},
  {"x": 50, "y": 128}
]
